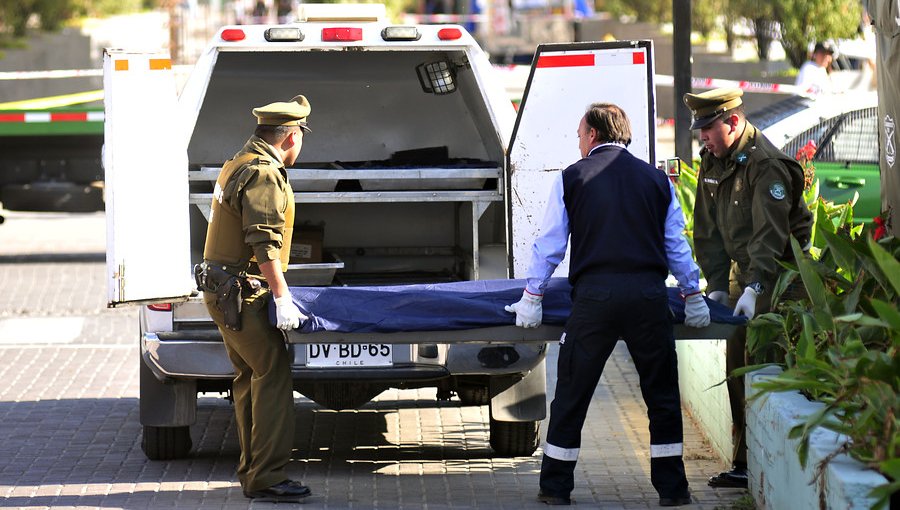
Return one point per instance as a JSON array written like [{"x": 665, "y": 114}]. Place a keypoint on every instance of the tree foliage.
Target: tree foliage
[
  {"x": 806, "y": 21},
  {"x": 797, "y": 23},
  {"x": 50, "y": 15},
  {"x": 653, "y": 11}
]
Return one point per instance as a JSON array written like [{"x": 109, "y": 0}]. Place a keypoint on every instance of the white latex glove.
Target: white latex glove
[
  {"x": 287, "y": 315},
  {"x": 719, "y": 296},
  {"x": 696, "y": 313},
  {"x": 746, "y": 305},
  {"x": 528, "y": 310}
]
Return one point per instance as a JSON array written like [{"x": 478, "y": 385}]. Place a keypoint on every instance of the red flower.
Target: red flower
[
  {"x": 880, "y": 230},
  {"x": 806, "y": 152}
]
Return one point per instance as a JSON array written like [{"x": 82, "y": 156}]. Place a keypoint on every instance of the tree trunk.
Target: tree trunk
[{"x": 763, "y": 29}]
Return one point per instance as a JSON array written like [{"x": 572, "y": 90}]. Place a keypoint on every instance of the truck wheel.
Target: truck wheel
[
  {"x": 515, "y": 438},
  {"x": 474, "y": 395},
  {"x": 166, "y": 443}
]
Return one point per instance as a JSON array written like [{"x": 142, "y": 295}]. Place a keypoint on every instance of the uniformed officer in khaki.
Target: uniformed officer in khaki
[
  {"x": 749, "y": 202},
  {"x": 249, "y": 235}
]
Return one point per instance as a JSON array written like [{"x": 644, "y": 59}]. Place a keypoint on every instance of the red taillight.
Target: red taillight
[
  {"x": 233, "y": 34},
  {"x": 449, "y": 34},
  {"x": 161, "y": 307},
  {"x": 342, "y": 34}
]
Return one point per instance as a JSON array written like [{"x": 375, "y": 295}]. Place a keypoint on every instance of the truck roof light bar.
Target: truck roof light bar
[
  {"x": 449, "y": 34},
  {"x": 283, "y": 34},
  {"x": 233, "y": 34},
  {"x": 400, "y": 34},
  {"x": 340, "y": 34}
]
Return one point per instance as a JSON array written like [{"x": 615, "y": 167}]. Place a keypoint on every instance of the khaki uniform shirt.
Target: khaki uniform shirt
[
  {"x": 260, "y": 193},
  {"x": 748, "y": 204}
]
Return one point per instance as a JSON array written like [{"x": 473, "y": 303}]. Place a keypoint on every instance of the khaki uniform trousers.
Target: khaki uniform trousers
[{"x": 262, "y": 391}]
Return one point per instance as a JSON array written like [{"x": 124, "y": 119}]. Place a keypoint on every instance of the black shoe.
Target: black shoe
[
  {"x": 287, "y": 490},
  {"x": 736, "y": 478},
  {"x": 547, "y": 499},
  {"x": 682, "y": 500}
]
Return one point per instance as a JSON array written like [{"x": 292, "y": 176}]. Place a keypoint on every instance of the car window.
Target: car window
[
  {"x": 814, "y": 134},
  {"x": 776, "y": 112},
  {"x": 853, "y": 140}
]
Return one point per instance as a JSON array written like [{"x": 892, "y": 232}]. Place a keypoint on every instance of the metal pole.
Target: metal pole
[{"x": 681, "y": 11}]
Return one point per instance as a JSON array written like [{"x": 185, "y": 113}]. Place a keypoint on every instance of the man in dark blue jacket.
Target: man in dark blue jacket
[{"x": 626, "y": 227}]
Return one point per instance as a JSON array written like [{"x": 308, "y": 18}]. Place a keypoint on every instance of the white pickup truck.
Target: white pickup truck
[{"x": 418, "y": 169}]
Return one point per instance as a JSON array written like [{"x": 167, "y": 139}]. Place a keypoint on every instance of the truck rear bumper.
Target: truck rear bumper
[{"x": 200, "y": 354}]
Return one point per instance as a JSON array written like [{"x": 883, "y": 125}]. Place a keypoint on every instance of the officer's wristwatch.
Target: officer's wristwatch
[{"x": 756, "y": 286}]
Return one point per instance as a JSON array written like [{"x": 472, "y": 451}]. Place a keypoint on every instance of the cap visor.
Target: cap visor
[{"x": 701, "y": 123}]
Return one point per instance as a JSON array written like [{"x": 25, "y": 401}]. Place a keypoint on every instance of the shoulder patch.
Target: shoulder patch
[{"x": 776, "y": 189}]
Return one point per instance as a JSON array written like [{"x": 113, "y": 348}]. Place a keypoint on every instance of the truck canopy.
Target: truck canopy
[{"x": 366, "y": 106}]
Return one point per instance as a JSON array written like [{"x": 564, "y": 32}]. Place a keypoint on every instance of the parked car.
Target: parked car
[{"x": 844, "y": 128}]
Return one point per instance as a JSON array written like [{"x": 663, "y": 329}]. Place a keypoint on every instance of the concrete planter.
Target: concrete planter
[{"x": 776, "y": 479}]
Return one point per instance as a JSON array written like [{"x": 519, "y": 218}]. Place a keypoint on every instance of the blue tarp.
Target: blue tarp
[{"x": 443, "y": 306}]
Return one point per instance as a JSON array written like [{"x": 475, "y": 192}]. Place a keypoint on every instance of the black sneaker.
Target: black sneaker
[
  {"x": 288, "y": 490},
  {"x": 736, "y": 478},
  {"x": 547, "y": 499}
]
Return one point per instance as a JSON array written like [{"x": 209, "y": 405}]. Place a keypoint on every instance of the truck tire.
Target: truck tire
[
  {"x": 474, "y": 395},
  {"x": 515, "y": 438},
  {"x": 166, "y": 443},
  {"x": 52, "y": 197}
]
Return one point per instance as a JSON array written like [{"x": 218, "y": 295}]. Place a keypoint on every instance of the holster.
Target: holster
[{"x": 226, "y": 287}]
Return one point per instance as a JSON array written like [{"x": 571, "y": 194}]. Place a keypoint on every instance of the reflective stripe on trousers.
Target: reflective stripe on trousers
[{"x": 558, "y": 453}]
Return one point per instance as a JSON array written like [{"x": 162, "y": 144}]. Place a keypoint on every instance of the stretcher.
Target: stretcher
[{"x": 454, "y": 313}]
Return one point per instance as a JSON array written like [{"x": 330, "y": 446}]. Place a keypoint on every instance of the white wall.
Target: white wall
[
  {"x": 701, "y": 365},
  {"x": 776, "y": 478}
]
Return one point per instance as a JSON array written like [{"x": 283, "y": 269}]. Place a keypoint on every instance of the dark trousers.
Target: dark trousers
[
  {"x": 736, "y": 357},
  {"x": 606, "y": 308}
]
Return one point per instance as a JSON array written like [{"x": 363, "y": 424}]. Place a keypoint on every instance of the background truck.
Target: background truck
[
  {"x": 51, "y": 153},
  {"x": 409, "y": 176}
]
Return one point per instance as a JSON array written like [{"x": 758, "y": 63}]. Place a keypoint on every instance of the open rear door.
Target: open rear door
[
  {"x": 565, "y": 80},
  {"x": 145, "y": 161}
]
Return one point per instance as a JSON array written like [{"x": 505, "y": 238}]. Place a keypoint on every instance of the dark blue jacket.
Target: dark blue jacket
[{"x": 617, "y": 206}]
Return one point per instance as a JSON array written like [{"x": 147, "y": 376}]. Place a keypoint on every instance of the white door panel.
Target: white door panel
[
  {"x": 145, "y": 160},
  {"x": 565, "y": 80}
]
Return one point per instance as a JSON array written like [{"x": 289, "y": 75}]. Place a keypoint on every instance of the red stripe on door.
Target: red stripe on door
[
  {"x": 566, "y": 60},
  {"x": 12, "y": 117},
  {"x": 68, "y": 117}
]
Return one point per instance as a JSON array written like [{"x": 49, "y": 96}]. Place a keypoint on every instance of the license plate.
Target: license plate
[{"x": 349, "y": 355}]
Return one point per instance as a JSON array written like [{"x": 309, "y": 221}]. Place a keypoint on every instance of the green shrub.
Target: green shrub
[{"x": 840, "y": 342}]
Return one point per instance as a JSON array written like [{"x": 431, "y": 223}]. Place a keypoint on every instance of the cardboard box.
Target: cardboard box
[{"x": 306, "y": 245}]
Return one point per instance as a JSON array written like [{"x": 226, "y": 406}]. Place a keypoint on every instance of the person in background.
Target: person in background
[
  {"x": 814, "y": 76},
  {"x": 626, "y": 227},
  {"x": 749, "y": 203}
]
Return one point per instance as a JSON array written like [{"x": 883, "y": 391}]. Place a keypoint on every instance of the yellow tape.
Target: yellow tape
[{"x": 43, "y": 103}]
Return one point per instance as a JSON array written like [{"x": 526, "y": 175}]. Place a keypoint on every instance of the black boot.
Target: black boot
[
  {"x": 287, "y": 490},
  {"x": 736, "y": 478}
]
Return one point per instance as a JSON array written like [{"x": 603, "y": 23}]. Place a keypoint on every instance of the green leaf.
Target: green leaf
[
  {"x": 888, "y": 313},
  {"x": 806, "y": 344},
  {"x": 888, "y": 264},
  {"x": 862, "y": 320},
  {"x": 815, "y": 289},
  {"x": 841, "y": 250}
]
